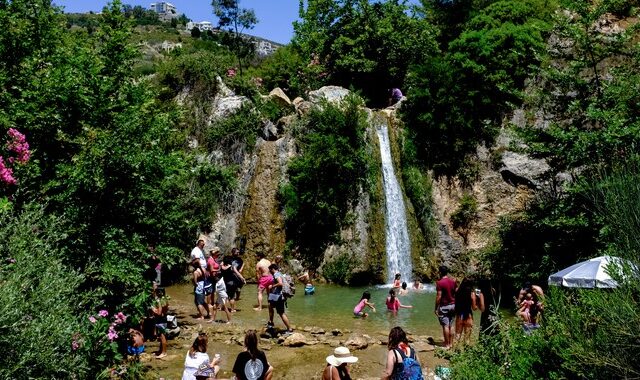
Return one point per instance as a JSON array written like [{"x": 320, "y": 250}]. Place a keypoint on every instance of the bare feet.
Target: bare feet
[{"x": 257, "y": 308}]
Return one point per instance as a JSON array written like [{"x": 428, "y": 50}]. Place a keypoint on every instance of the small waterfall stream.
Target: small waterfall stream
[{"x": 398, "y": 245}]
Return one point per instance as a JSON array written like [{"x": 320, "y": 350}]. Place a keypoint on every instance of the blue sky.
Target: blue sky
[{"x": 275, "y": 16}]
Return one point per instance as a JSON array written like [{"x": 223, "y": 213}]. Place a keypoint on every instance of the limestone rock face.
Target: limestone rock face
[
  {"x": 333, "y": 94},
  {"x": 227, "y": 106},
  {"x": 269, "y": 131},
  {"x": 261, "y": 225},
  {"x": 519, "y": 169}
]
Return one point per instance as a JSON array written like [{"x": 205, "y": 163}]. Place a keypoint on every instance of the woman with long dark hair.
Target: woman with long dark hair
[
  {"x": 465, "y": 305},
  {"x": 252, "y": 364},
  {"x": 401, "y": 357}
]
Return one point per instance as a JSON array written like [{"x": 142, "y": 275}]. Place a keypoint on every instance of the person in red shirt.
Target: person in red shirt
[{"x": 445, "y": 304}]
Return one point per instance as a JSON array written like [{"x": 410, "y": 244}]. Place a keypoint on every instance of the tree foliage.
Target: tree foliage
[
  {"x": 456, "y": 99},
  {"x": 235, "y": 20},
  {"x": 326, "y": 178},
  {"x": 107, "y": 158},
  {"x": 362, "y": 44}
]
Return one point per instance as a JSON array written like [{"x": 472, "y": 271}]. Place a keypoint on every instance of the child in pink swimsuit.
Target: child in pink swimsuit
[
  {"x": 358, "y": 311},
  {"x": 393, "y": 303}
]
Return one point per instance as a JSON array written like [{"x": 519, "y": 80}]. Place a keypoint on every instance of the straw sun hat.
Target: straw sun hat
[{"x": 340, "y": 356}]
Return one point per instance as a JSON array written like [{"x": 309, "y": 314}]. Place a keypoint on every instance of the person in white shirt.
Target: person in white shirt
[
  {"x": 198, "y": 253},
  {"x": 197, "y": 356}
]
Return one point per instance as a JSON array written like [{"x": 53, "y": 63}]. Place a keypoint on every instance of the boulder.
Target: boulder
[
  {"x": 295, "y": 340},
  {"x": 303, "y": 107},
  {"x": 297, "y": 101},
  {"x": 357, "y": 342},
  {"x": 519, "y": 169},
  {"x": 280, "y": 98},
  {"x": 332, "y": 94}
]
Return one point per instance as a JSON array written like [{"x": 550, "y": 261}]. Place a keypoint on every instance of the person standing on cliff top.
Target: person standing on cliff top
[
  {"x": 445, "y": 304},
  {"x": 263, "y": 277},
  {"x": 394, "y": 95}
]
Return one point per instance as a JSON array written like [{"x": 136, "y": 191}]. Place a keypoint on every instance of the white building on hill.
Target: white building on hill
[
  {"x": 166, "y": 11},
  {"x": 203, "y": 26}
]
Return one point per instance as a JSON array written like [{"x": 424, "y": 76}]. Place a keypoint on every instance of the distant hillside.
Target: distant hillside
[{"x": 154, "y": 31}]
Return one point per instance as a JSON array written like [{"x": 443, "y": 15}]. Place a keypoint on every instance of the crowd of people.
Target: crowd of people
[
  {"x": 217, "y": 283},
  {"x": 455, "y": 303},
  {"x": 252, "y": 363}
]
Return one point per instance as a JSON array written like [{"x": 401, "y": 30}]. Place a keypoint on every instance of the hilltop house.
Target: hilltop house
[
  {"x": 166, "y": 11},
  {"x": 203, "y": 26}
]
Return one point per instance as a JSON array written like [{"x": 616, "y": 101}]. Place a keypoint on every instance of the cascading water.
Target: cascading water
[{"x": 398, "y": 245}]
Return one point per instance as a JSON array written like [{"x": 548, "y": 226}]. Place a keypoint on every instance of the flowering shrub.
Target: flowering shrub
[
  {"x": 104, "y": 339},
  {"x": 18, "y": 148}
]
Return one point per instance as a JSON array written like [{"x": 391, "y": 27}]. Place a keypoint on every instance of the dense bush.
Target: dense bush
[
  {"x": 38, "y": 300},
  {"x": 235, "y": 134},
  {"x": 195, "y": 72},
  {"x": 326, "y": 178},
  {"x": 338, "y": 270}
]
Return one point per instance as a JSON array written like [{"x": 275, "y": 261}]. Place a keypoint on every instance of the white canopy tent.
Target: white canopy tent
[{"x": 587, "y": 274}]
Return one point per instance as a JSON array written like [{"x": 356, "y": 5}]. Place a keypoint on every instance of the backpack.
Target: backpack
[
  {"x": 288, "y": 286},
  {"x": 410, "y": 369}
]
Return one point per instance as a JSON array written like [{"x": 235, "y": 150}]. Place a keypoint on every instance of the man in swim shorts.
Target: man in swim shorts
[
  {"x": 263, "y": 276},
  {"x": 445, "y": 304}
]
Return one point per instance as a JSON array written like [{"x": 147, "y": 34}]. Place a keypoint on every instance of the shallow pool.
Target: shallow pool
[{"x": 332, "y": 307}]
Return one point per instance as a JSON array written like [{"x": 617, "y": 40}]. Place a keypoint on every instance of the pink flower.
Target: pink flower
[
  {"x": 103, "y": 313},
  {"x": 120, "y": 318},
  {"x": 6, "y": 174},
  {"x": 19, "y": 146},
  {"x": 231, "y": 72},
  {"x": 75, "y": 345},
  {"x": 92, "y": 319},
  {"x": 112, "y": 334}
]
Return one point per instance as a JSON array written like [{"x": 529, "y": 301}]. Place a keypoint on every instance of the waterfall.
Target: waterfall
[{"x": 398, "y": 245}]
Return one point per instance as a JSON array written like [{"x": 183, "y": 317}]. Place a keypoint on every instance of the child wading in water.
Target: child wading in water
[
  {"x": 358, "y": 311},
  {"x": 393, "y": 303}
]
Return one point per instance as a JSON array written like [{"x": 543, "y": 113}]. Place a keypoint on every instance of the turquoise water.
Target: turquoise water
[{"x": 332, "y": 307}]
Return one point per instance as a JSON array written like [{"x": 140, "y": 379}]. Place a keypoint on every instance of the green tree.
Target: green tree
[
  {"x": 326, "y": 178},
  {"x": 236, "y": 20},
  {"x": 457, "y": 99},
  {"x": 108, "y": 158},
  {"x": 365, "y": 45}
]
